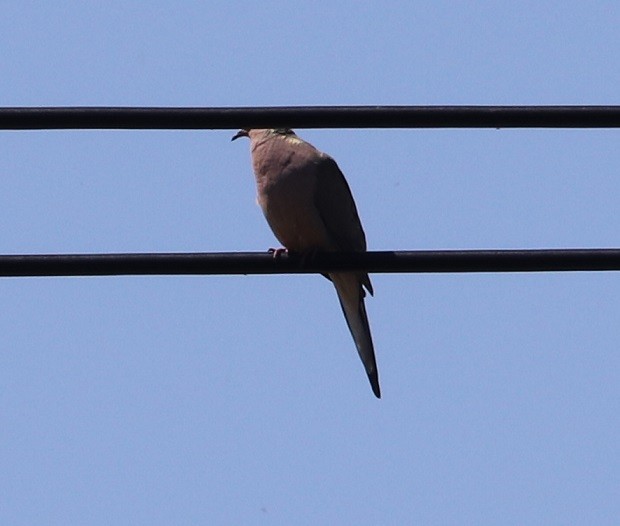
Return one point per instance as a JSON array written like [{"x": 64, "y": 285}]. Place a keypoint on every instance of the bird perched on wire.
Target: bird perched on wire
[{"x": 308, "y": 205}]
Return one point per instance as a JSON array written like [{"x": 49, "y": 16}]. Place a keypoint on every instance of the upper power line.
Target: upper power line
[{"x": 29, "y": 118}]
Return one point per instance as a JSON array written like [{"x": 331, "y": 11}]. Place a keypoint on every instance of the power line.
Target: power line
[
  {"x": 33, "y": 118},
  {"x": 419, "y": 261}
]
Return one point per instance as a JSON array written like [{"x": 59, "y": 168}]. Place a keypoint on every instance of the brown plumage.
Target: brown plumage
[{"x": 308, "y": 205}]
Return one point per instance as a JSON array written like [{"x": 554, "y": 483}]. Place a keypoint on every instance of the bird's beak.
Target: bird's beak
[{"x": 240, "y": 133}]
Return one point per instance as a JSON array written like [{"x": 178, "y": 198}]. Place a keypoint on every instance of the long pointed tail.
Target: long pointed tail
[{"x": 351, "y": 296}]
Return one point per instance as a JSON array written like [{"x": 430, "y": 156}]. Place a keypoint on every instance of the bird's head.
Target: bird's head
[
  {"x": 247, "y": 132},
  {"x": 241, "y": 133}
]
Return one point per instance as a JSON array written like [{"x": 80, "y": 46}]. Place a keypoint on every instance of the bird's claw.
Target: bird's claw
[{"x": 277, "y": 252}]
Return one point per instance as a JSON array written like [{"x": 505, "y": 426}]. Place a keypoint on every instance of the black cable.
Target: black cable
[
  {"x": 428, "y": 261},
  {"x": 29, "y": 118}
]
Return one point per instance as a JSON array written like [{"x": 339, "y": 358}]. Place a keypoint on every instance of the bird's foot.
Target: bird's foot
[{"x": 277, "y": 252}]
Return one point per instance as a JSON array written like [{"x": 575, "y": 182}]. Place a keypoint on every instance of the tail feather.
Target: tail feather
[{"x": 351, "y": 296}]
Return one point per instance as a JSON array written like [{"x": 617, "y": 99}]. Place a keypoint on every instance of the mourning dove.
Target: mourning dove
[{"x": 308, "y": 205}]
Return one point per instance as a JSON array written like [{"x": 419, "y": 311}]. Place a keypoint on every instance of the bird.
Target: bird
[{"x": 309, "y": 206}]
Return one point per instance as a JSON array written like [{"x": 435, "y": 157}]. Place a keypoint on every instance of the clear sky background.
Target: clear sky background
[{"x": 241, "y": 400}]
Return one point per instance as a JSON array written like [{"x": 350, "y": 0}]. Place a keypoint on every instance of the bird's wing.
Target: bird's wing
[{"x": 335, "y": 204}]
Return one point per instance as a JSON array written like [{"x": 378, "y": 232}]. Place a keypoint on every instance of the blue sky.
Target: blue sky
[{"x": 241, "y": 400}]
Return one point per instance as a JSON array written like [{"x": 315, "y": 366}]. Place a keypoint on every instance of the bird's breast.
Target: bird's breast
[{"x": 286, "y": 197}]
